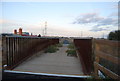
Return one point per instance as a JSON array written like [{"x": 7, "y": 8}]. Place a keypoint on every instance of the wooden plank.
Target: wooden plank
[
  {"x": 108, "y": 57},
  {"x": 106, "y": 71},
  {"x": 108, "y": 42}
]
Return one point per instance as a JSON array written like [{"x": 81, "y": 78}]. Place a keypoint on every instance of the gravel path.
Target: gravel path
[{"x": 56, "y": 63}]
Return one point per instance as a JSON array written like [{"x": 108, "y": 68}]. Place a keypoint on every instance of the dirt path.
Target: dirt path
[{"x": 57, "y": 63}]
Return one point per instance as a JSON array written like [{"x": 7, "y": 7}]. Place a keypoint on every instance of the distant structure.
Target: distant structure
[
  {"x": 45, "y": 29},
  {"x": 21, "y": 33},
  {"x": 81, "y": 33},
  {"x": 15, "y": 32}
]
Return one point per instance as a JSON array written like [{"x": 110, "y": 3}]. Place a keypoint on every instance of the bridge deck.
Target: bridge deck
[{"x": 54, "y": 63}]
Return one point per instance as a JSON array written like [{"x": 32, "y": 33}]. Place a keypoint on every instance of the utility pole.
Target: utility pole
[
  {"x": 43, "y": 32},
  {"x": 45, "y": 28},
  {"x": 81, "y": 33}
]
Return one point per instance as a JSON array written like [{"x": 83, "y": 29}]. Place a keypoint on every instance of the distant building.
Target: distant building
[{"x": 21, "y": 33}]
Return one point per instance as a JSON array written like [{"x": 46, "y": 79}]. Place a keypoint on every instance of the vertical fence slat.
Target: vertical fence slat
[{"x": 4, "y": 51}]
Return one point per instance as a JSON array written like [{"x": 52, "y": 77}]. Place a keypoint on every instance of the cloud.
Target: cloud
[
  {"x": 88, "y": 18},
  {"x": 96, "y": 29},
  {"x": 96, "y": 19},
  {"x": 114, "y": 14},
  {"x": 108, "y": 21}
]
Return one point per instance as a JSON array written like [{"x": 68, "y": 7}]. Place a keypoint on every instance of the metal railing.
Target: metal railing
[
  {"x": 84, "y": 49},
  {"x": 17, "y": 49}
]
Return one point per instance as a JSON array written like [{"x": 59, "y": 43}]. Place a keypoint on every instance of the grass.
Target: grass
[
  {"x": 71, "y": 46},
  {"x": 53, "y": 48},
  {"x": 71, "y": 50},
  {"x": 59, "y": 45}
]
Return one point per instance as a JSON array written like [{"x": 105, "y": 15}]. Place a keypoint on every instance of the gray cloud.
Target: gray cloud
[
  {"x": 88, "y": 18},
  {"x": 96, "y": 29},
  {"x": 108, "y": 21},
  {"x": 94, "y": 18}
]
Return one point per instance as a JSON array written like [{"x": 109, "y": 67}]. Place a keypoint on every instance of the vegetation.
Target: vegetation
[
  {"x": 53, "y": 48},
  {"x": 71, "y": 46},
  {"x": 71, "y": 50},
  {"x": 59, "y": 45},
  {"x": 114, "y": 35}
]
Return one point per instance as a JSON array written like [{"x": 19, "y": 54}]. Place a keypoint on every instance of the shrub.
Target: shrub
[
  {"x": 59, "y": 45},
  {"x": 51, "y": 49},
  {"x": 71, "y": 52},
  {"x": 71, "y": 46}
]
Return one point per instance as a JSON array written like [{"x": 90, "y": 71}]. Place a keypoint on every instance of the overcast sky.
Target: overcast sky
[{"x": 63, "y": 18}]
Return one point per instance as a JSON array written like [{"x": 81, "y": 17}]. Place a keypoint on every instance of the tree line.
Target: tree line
[{"x": 114, "y": 35}]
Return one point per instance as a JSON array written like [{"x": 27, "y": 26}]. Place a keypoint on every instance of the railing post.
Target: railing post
[{"x": 4, "y": 52}]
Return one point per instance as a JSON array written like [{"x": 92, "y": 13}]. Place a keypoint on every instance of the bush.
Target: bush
[
  {"x": 51, "y": 49},
  {"x": 59, "y": 45},
  {"x": 71, "y": 52},
  {"x": 71, "y": 46}
]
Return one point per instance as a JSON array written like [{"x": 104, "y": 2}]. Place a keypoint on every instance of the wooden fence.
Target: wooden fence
[
  {"x": 107, "y": 59},
  {"x": 17, "y": 49}
]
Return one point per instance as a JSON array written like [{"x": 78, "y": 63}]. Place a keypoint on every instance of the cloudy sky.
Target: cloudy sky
[{"x": 87, "y": 19}]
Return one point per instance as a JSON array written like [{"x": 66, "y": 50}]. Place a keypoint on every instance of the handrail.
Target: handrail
[{"x": 106, "y": 71}]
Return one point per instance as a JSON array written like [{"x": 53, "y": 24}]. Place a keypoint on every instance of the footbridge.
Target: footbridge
[{"x": 25, "y": 57}]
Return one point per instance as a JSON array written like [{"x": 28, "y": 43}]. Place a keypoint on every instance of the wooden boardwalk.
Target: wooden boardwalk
[{"x": 53, "y": 63}]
